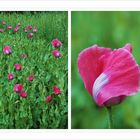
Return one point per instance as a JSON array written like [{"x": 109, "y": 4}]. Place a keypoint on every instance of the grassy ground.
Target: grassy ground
[
  {"x": 33, "y": 111},
  {"x": 108, "y": 29}
]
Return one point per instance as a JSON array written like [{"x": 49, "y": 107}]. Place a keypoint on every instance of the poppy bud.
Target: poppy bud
[
  {"x": 56, "y": 90},
  {"x": 7, "y": 50},
  {"x": 56, "y": 43},
  {"x": 18, "y": 88},
  {"x": 23, "y": 94},
  {"x": 49, "y": 99},
  {"x": 10, "y": 76},
  {"x": 17, "y": 66},
  {"x": 56, "y": 53}
]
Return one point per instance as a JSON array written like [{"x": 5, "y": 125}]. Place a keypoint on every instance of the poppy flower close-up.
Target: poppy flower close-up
[{"x": 109, "y": 75}]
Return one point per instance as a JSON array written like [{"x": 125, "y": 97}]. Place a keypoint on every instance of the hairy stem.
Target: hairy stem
[{"x": 109, "y": 109}]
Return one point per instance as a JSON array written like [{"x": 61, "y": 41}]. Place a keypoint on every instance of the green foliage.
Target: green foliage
[
  {"x": 33, "y": 111},
  {"x": 108, "y": 29}
]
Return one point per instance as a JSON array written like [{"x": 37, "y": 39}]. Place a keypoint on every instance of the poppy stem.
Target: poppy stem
[{"x": 109, "y": 109}]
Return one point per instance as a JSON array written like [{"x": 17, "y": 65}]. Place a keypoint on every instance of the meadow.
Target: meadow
[
  {"x": 34, "y": 70},
  {"x": 112, "y": 30}
]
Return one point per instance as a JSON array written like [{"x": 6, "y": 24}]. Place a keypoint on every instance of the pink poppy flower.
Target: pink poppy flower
[
  {"x": 56, "y": 53},
  {"x": 18, "y": 24},
  {"x": 9, "y": 27},
  {"x": 29, "y": 27},
  {"x": 16, "y": 29},
  {"x": 109, "y": 75},
  {"x": 7, "y": 50},
  {"x": 18, "y": 88},
  {"x": 24, "y": 56},
  {"x": 56, "y": 43},
  {"x": 1, "y": 30},
  {"x": 30, "y": 78},
  {"x": 3, "y": 23},
  {"x": 10, "y": 76},
  {"x": 34, "y": 29},
  {"x": 26, "y": 30},
  {"x": 56, "y": 90},
  {"x": 23, "y": 94},
  {"x": 18, "y": 67},
  {"x": 30, "y": 35},
  {"x": 49, "y": 99}
]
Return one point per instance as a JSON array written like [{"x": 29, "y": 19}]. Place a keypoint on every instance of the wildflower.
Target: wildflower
[
  {"x": 17, "y": 66},
  {"x": 1, "y": 30},
  {"x": 56, "y": 53},
  {"x": 18, "y": 24},
  {"x": 9, "y": 27},
  {"x": 30, "y": 78},
  {"x": 29, "y": 27},
  {"x": 10, "y": 76},
  {"x": 23, "y": 94},
  {"x": 30, "y": 35},
  {"x": 26, "y": 30},
  {"x": 49, "y": 99},
  {"x": 3, "y": 23},
  {"x": 7, "y": 50},
  {"x": 56, "y": 43},
  {"x": 18, "y": 88},
  {"x": 109, "y": 75},
  {"x": 34, "y": 29},
  {"x": 16, "y": 29},
  {"x": 56, "y": 90}
]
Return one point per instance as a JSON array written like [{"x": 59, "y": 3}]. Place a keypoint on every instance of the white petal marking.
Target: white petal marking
[
  {"x": 7, "y": 52},
  {"x": 101, "y": 81}
]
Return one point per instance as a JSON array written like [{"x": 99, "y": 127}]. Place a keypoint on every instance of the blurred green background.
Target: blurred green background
[{"x": 108, "y": 29}]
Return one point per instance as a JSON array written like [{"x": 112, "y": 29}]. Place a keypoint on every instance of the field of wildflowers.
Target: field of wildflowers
[{"x": 33, "y": 70}]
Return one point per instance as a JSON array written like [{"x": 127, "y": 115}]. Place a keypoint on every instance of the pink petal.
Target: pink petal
[
  {"x": 122, "y": 74},
  {"x": 128, "y": 47},
  {"x": 90, "y": 66}
]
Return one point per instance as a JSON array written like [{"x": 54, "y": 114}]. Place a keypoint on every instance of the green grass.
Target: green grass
[
  {"x": 33, "y": 111},
  {"x": 108, "y": 29}
]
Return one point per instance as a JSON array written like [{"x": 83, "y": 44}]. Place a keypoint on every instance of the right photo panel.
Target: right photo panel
[{"x": 105, "y": 69}]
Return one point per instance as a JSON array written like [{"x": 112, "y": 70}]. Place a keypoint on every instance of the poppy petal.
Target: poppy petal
[
  {"x": 122, "y": 73},
  {"x": 89, "y": 65}
]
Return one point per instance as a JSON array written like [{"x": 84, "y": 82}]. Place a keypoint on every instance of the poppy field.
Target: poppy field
[
  {"x": 33, "y": 70},
  {"x": 105, "y": 70}
]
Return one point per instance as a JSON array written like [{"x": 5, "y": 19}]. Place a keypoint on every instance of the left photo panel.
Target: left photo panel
[{"x": 34, "y": 70}]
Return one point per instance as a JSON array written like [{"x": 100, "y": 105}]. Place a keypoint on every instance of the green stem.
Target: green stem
[{"x": 109, "y": 109}]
